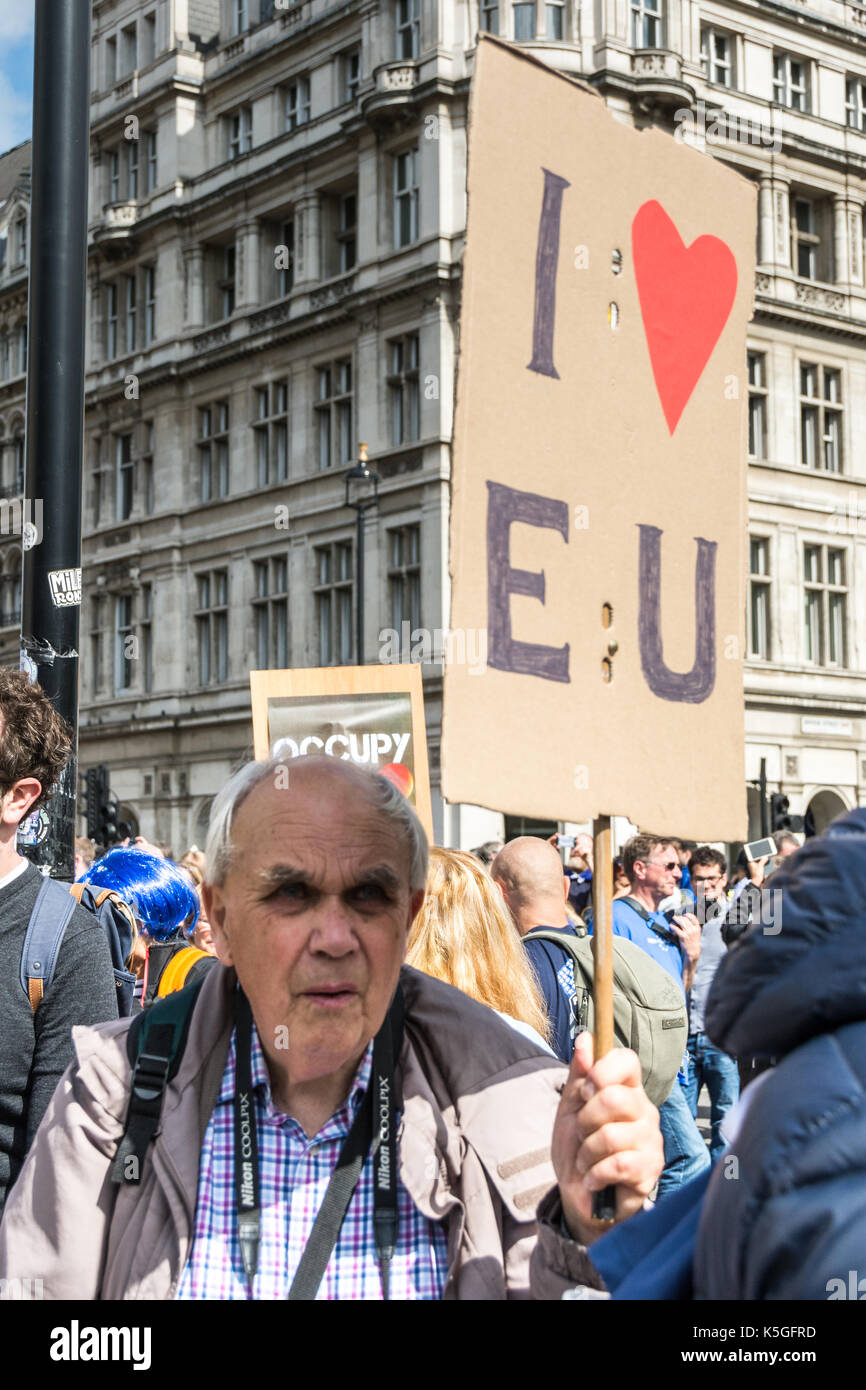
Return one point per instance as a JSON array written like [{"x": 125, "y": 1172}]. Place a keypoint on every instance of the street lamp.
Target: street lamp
[{"x": 362, "y": 493}]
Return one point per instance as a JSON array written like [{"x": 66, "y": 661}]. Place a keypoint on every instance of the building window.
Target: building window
[
  {"x": 240, "y": 132},
  {"x": 21, "y": 239},
  {"x": 717, "y": 56},
  {"x": 826, "y": 605},
  {"x": 226, "y": 283},
  {"x": 757, "y": 362},
  {"x": 489, "y": 17},
  {"x": 212, "y": 627},
  {"x": 271, "y": 433},
  {"x": 111, "y": 61},
  {"x": 350, "y": 65},
  {"x": 807, "y": 241},
  {"x": 286, "y": 267},
  {"x": 239, "y": 16},
  {"x": 821, "y": 417},
  {"x": 128, "y": 49},
  {"x": 297, "y": 103},
  {"x": 791, "y": 82},
  {"x": 18, "y": 460},
  {"x": 148, "y": 39},
  {"x": 405, "y": 198},
  {"x": 271, "y": 610},
  {"x": 524, "y": 21},
  {"x": 347, "y": 236},
  {"x": 149, "y": 304},
  {"x": 855, "y": 103},
  {"x": 21, "y": 339},
  {"x": 404, "y": 389},
  {"x": 96, "y": 495},
  {"x": 408, "y": 29},
  {"x": 213, "y": 451},
  {"x": 334, "y": 592},
  {"x": 146, "y": 634},
  {"x": 404, "y": 576},
  {"x": 129, "y": 313},
  {"x": 114, "y": 176},
  {"x": 647, "y": 23},
  {"x": 111, "y": 320},
  {"x": 125, "y": 476},
  {"x": 150, "y": 161},
  {"x": 553, "y": 16},
  {"x": 123, "y": 645},
  {"x": 4, "y": 357},
  {"x": 147, "y": 469},
  {"x": 11, "y": 604},
  {"x": 334, "y": 413},
  {"x": 96, "y": 627},
  {"x": 759, "y": 597},
  {"x": 132, "y": 171}
]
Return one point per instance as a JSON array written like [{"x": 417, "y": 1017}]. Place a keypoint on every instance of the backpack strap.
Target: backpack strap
[
  {"x": 52, "y": 910},
  {"x": 638, "y": 907},
  {"x": 564, "y": 939},
  {"x": 664, "y": 932},
  {"x": 155, "y": 1045},
  {"x": 175, "y": 974}
]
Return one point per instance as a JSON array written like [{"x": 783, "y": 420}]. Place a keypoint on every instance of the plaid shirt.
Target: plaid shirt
[{"x": 294, "y": 1174}]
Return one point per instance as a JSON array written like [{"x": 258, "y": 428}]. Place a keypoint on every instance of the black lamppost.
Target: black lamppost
[
  {"x": 362, "y": 493},
  {"x": 51, "y": 567}
]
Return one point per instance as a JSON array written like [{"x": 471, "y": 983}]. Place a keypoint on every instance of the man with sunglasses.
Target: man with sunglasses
[
  {"x": 652, "y": 866},
  {"x": 708, "y": 1065}
]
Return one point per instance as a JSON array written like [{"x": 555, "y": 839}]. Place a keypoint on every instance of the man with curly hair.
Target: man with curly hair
[{"x": 36, "y": 1044}]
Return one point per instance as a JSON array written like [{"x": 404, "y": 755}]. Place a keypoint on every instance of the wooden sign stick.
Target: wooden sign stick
[{"x": 604, "y": 1202}]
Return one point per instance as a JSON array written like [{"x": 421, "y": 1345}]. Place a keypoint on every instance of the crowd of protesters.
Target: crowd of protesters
[{"x": 318, "y": 954}]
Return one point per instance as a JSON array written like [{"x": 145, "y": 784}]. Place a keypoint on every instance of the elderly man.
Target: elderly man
[{"x": 297, "y": 1057}]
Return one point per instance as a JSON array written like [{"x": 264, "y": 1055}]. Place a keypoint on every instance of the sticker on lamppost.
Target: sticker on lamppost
[{"x": 65, "y": 587}]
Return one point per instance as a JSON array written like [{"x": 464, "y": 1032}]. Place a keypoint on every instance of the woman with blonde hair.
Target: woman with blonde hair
[{"x": 464, "y": 935}]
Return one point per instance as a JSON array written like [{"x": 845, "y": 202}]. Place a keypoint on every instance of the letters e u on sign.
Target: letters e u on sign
[{"x": 599, "y": 462}]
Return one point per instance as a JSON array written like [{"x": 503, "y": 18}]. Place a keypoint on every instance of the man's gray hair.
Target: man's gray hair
[{"x": 383, "y": 794}]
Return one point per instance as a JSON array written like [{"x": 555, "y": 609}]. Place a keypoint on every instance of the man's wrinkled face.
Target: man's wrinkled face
[{"x": 314, "y": 915}]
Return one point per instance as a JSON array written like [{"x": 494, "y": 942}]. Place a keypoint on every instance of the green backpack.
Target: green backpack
[{"x": 649, "y": 1011}]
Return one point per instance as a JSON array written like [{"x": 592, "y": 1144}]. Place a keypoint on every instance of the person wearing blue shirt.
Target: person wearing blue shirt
[{"x": 652, "y": 866}]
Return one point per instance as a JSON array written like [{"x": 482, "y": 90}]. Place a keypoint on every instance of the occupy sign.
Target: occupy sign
[
  {"x": 369, "y": 715},
  {"x": 598, "y": 513}
]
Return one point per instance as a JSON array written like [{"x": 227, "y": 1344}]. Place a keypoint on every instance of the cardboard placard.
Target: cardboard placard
[
  {"x": 598, "y": 520},
  {"x": 372, "y": 715}
]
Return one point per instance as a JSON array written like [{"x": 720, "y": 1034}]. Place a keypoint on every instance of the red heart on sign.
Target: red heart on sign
[{"x": 686, "y": 294}]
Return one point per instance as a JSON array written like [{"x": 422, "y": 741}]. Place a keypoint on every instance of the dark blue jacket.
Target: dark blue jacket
[{"x": 790, "y": 1217}]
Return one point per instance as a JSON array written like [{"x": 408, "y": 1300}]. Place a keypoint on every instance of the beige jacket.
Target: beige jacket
[{"x": 478, "y": 1107}]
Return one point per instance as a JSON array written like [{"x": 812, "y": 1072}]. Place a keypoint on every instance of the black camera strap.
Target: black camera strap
[
  {"x": 375, "y": 1123},
  {"x": 246, "y": 1139}
]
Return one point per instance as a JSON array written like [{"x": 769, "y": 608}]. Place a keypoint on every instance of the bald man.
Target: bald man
[{"x": 528, "y": 873}]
